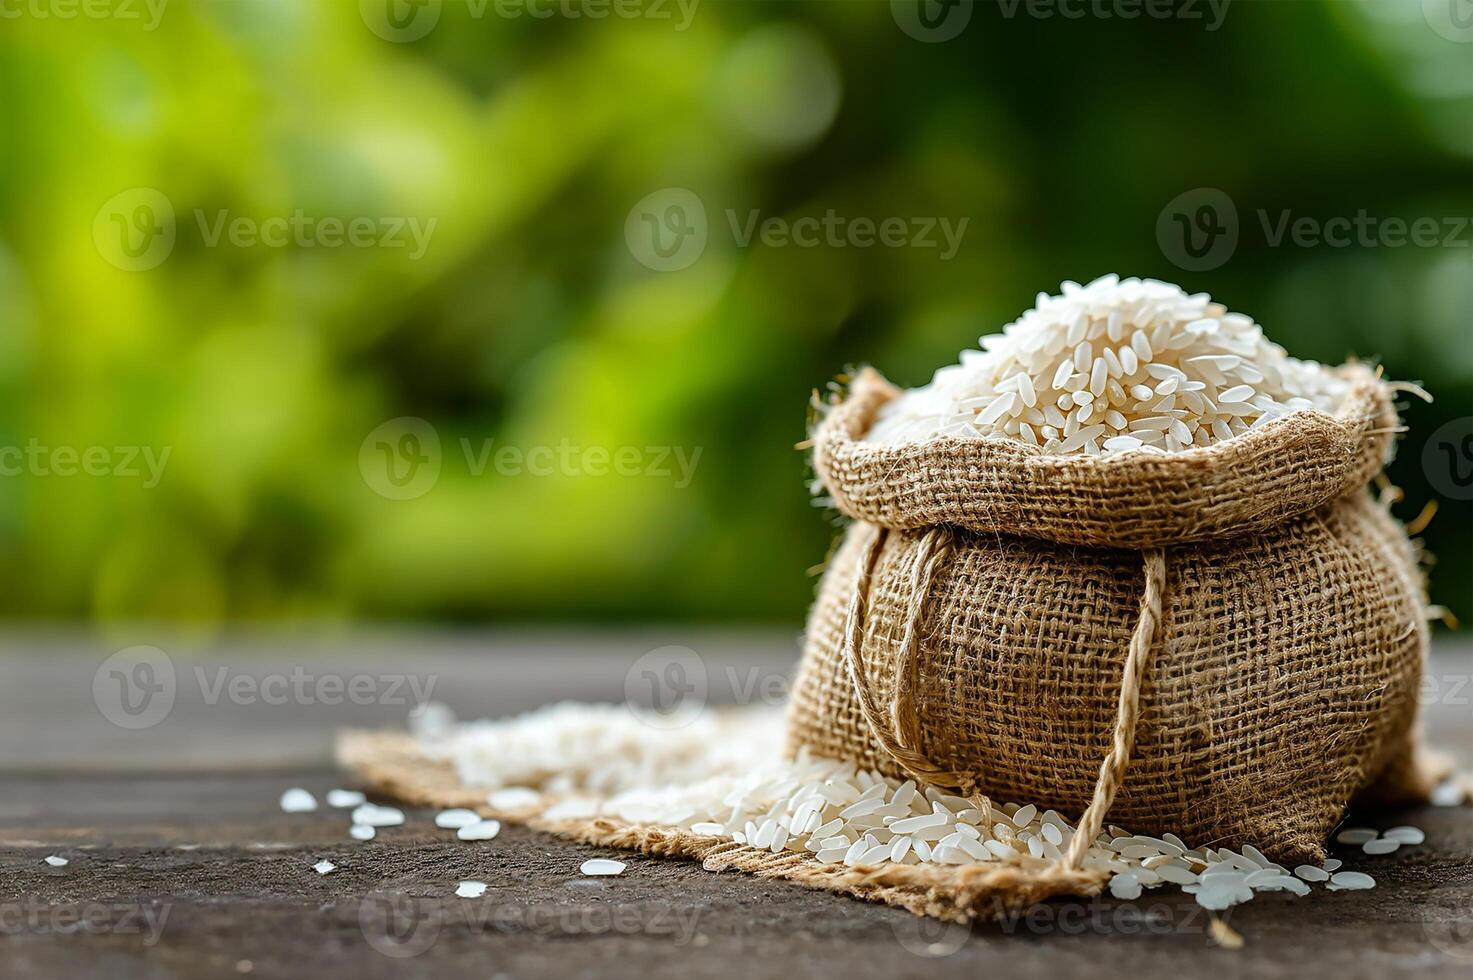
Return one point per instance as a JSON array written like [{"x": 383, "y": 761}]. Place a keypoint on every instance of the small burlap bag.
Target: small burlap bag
[{"x": 1223, "y": 643}]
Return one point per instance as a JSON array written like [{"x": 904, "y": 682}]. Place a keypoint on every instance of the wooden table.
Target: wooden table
[{"x": 182, "y": 863}]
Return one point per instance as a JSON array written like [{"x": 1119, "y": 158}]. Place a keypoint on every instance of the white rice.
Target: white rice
[
  {"x": 481, "y": 830},
  {"x": 1117, "y": 366},
  {"x": 833, "y": 811},
  {"x": 455, "y": 819},
  {"x": 373, "y": 815},
  {"x": 568, "y": 749}
]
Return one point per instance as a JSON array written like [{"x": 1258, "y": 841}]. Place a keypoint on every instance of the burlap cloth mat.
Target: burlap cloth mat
[{"x": 390, "y": 763}]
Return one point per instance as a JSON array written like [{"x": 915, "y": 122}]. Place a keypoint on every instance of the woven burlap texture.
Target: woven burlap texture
[
  {"x": 1285, "y": 669},
  {"x": 392, "y": 764},
  {"x": 1251, "y": 482}
]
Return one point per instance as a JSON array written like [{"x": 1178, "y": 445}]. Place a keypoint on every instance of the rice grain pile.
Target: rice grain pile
[
  {"x": 1116, "y": 366},
  {"x": 578, "y": 749},
  {"x": 840, "y": 813}
]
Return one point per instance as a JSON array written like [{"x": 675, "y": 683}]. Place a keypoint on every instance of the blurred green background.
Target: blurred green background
[{"x": 528, "y": 317}]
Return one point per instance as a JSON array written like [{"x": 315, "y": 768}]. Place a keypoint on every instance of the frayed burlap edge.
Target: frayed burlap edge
[
  {"x": 1242, "y": 485},
  {"x": 391, "y": 764}
]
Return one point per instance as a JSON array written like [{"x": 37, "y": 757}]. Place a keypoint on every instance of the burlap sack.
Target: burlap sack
[{"x": 1224, "y": 643}]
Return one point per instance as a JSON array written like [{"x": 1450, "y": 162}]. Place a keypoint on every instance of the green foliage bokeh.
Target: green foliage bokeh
[{"x": 529, "y": 321}]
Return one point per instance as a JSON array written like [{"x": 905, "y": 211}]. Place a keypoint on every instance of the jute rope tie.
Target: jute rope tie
[{"x": 898, "y": 730}]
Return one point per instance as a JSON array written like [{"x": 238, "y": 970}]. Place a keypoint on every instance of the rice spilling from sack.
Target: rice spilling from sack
[
  {"x": 835, "y": 812},
  {"x": 601, "y": 749},
  {"x": 1116, "y": 366}
]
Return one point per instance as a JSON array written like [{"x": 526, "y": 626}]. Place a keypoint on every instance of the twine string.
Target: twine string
[
  {"x": 1127, "y": 711},
  {"x": 908, "y": 756},
  {"x": 898, "y": 730}
]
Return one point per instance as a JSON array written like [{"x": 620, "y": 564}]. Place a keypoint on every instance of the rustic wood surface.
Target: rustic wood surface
[{"x": 183, "y": 865}]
